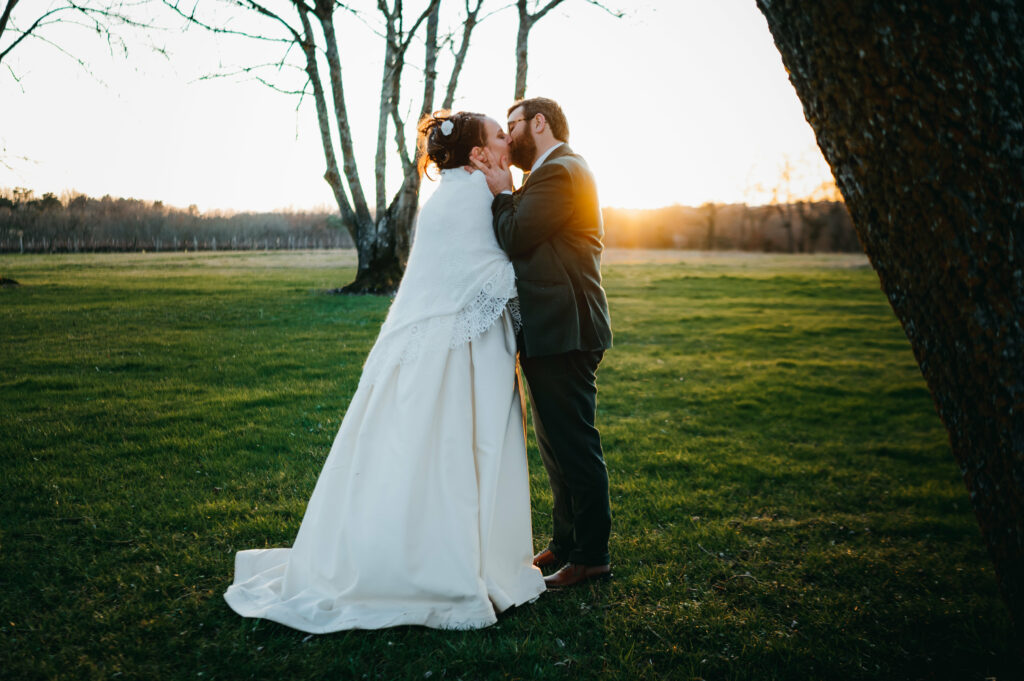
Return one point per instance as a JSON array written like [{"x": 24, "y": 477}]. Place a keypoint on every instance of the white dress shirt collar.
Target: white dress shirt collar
[{"x": 544, "y": 156}]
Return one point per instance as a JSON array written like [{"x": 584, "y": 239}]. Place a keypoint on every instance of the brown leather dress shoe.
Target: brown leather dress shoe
[
  {"x": 546, "y": 559},
  {"x": 572, "y": 573}
]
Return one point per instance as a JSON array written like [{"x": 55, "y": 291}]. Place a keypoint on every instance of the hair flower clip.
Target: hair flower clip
[{"x": 447, "y": 127}]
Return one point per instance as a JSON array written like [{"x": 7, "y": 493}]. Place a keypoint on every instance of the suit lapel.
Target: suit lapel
[{"x": 563, "y": 150}]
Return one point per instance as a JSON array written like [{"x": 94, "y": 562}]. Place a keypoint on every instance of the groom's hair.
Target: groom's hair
[
  {"x": 552, "y": 114},
  {"x": 466, "y": 131}
]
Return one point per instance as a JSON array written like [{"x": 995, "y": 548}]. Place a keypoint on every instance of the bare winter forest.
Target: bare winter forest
[
  {"x": 799, "y": 227},
  {"x": 76, "y": 223}
]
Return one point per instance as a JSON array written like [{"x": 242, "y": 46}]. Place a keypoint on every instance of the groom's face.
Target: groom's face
[{"x": 522, "y": 147}]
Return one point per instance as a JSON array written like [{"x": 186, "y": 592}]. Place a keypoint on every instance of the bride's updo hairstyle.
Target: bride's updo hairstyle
[{"x": 445, "y": 139}]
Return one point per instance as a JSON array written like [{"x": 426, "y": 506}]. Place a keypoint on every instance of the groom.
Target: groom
[{"x": 551, "y": 229}]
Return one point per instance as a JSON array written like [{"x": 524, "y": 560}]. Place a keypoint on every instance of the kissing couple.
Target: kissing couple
[{"x": 421, "y": 513}]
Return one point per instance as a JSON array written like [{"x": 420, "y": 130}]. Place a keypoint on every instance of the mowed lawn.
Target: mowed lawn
[{"x": 785, "y": 502}]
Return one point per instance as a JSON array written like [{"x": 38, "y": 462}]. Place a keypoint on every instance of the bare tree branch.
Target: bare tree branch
[
  {"x": 412, "y": 32},
  {"x": 77, "y": 60},
  {"x": 403, "y": 152},
  {"x": 86, "y": 11},
  {"x": 618, "y": 14},
  {"x": 99, "y": 16},
  {"x": 538, "y": 15},
  {"x": 191, "y": 18},
  {"x": 6, "y": 16},
  {"x": 298, "y": 104},
  {"x": 392, "y": 72},
  {"x": 361, "y": 18},
  {"x": 430, "y": 61},
  {"x": 267, "y": 13},
  {"x": 119, "y": 16},
  {"x": 396, "y": 44},
  {"x": 252, "y": 72},
  {"x": 470, "y": 23},
  {"x": 26, "y": 33},
  {"x": 15, "y": 77},
  {"x": 497, "y": 10}
]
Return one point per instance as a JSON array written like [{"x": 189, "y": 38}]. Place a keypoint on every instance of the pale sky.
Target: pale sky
[{"x": 681, "y": 101}]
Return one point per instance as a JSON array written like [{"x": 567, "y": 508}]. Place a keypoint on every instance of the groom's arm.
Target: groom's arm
[{"x": 542, "y": 210}]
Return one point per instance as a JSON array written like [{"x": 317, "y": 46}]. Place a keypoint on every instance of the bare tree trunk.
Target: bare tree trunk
[
  {"x": 332, "y": 176},
  {"x": 325, "y": 14},
  {"x": 526, "y": 22},
  {"x": 430, "y": 61},
  {"x": 472, "y": 18},
  {"x": 522, "y": 50},
  {"x": 382, "y": 242},
  {"x": 387, "y": 100},
  {"x": 384, "y": 246},
  {"x": 918, "y": 107},
  {"x": 710, "y": 218},
  {"x": 403, "y": 207},
  {"x": 785, "y": 211},
  {"x": 814, "y": 217}
]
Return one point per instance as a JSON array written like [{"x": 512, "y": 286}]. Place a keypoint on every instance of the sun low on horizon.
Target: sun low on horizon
[{"x": 672, "y": 103}]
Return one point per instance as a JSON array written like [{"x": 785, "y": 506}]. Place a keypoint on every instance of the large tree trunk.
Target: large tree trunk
[
  {"x": 380, "y": 270},
  {"x": 918, "y": 108},
  {"x": 383, "y": 241},
  {"x": 383, "y": 245}
]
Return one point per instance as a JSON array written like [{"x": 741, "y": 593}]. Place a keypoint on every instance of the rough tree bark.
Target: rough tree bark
[{"x": 918, "y": 108}]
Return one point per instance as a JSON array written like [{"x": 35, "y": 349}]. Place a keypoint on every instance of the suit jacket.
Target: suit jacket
[{"x": 551, "y": 229}]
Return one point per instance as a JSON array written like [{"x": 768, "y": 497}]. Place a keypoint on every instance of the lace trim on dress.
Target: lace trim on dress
[
  {"x": 516, "y": 313},
  {"x": 485, "y": 308},
  {"x": 447, "y": 331}
]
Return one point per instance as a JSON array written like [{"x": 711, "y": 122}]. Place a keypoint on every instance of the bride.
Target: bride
[{"x": 421, "y": 514}]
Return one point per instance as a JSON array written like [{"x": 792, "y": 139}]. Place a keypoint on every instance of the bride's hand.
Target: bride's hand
[{"x": 496, "y": 170}]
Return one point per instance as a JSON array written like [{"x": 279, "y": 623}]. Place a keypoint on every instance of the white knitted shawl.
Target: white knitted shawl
[{"x": 457, "y": 281}]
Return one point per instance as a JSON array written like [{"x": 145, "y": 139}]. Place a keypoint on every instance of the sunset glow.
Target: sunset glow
[{"x": 677, "y": 102}]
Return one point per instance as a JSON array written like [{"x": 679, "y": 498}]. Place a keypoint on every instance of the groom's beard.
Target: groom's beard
[{"x": 523, "y": 152}]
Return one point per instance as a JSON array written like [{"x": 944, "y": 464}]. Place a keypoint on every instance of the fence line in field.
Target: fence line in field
[{"x": 18, "y": 243}]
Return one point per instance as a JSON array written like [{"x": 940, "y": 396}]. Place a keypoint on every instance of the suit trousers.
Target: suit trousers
[{"x": 563, "y": 399}]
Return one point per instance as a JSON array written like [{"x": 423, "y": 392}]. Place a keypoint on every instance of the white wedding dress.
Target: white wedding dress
[{"x": 421, "y": 514}]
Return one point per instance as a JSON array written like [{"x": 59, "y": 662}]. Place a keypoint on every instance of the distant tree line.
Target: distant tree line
[
  {"x": 75, "y": 222},
  {"x": 798, "y": 227}
]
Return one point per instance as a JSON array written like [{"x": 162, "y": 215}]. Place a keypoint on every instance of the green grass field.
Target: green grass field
[{"x": 785, "y": 502}]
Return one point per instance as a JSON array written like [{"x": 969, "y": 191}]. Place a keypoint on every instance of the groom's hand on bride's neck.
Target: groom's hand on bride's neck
[{"x": 496, "y": 170}]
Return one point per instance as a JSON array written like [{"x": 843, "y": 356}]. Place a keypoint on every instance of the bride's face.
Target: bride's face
[{"x": 497, "y": 140}]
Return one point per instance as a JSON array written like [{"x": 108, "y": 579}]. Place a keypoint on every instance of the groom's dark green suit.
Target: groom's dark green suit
[{"x": 551, "y": 229}]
